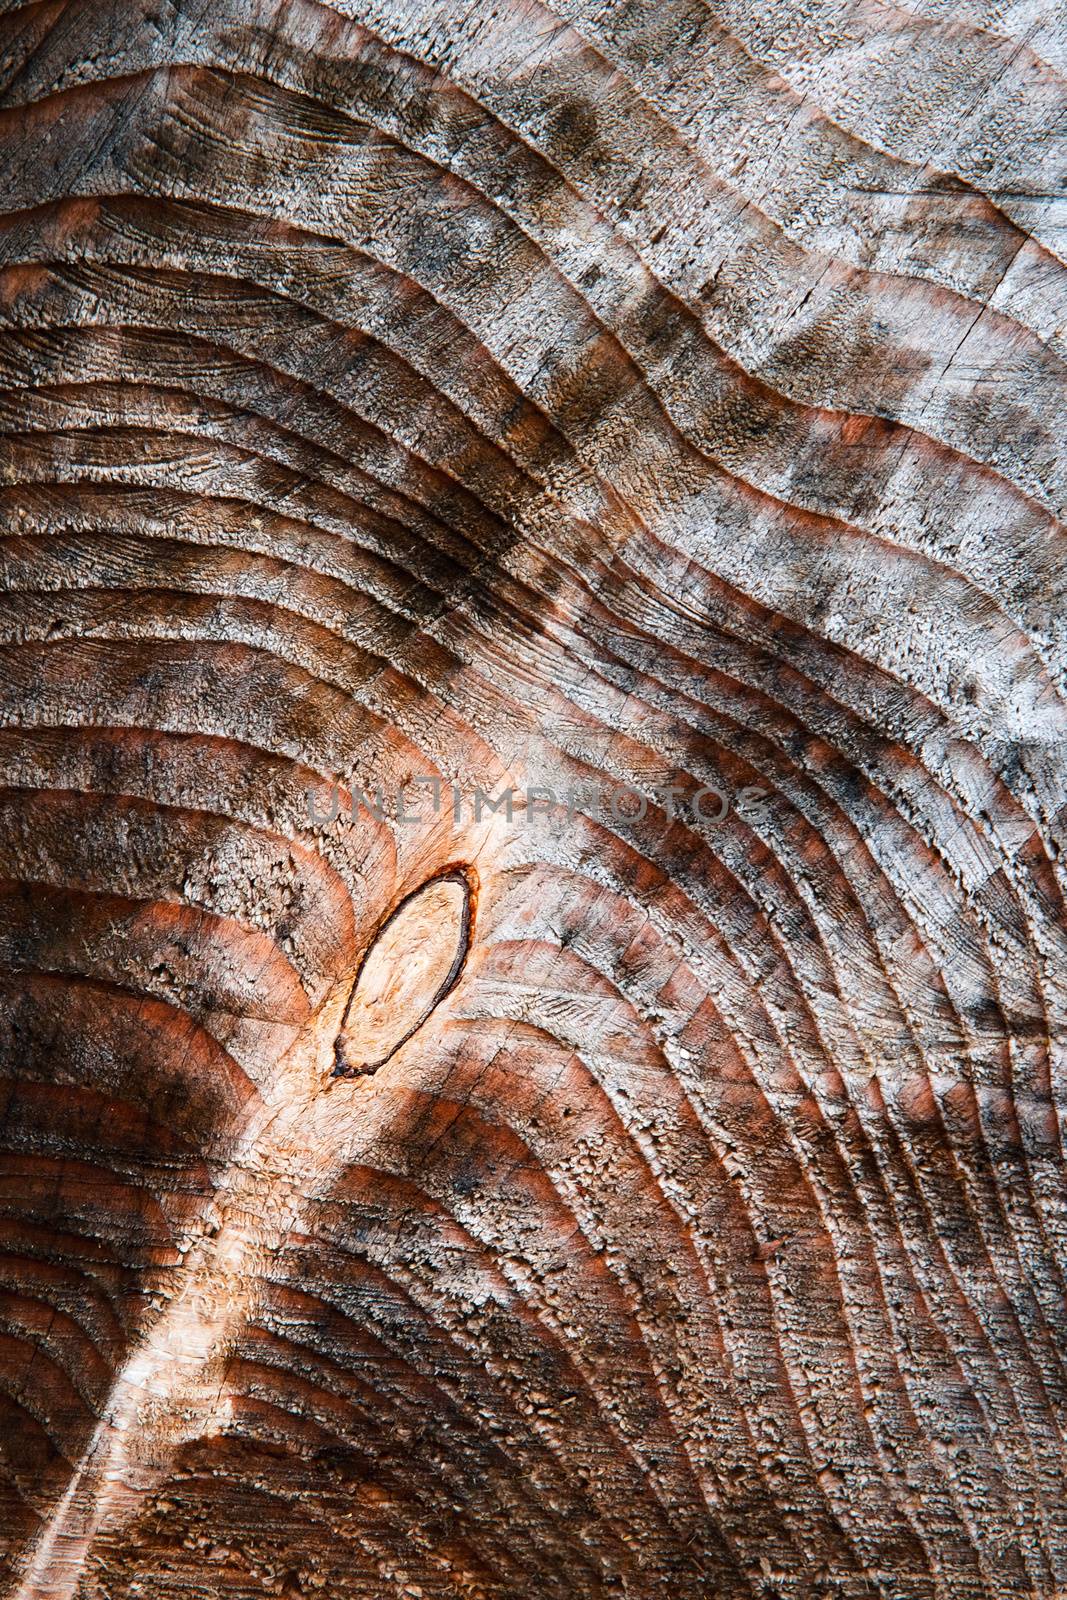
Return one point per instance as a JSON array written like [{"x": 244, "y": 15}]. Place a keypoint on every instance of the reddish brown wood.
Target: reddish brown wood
[{"x": 658, "y": 405}]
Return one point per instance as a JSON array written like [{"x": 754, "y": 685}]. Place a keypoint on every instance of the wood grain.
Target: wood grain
[{"x": 661, "y": 399}]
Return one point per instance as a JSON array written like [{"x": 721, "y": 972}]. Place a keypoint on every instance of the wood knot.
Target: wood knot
[{"x": 411, "y": 964}]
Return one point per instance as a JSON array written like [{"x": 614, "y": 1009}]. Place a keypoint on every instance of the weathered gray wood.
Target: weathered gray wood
[{"x": 654, "y": 409}]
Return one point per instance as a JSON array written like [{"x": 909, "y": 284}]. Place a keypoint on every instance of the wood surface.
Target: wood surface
[{"x": 647, "y": 398}]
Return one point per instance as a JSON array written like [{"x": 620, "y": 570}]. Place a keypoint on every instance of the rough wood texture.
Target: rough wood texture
[{"x": 636, "y": 393}]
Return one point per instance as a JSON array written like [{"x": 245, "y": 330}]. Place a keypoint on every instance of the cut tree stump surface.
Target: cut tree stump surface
[{"x": 533, "y": 721}]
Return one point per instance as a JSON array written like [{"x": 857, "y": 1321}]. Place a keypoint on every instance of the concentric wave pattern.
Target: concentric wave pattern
[{"x": 627, "y": 395}]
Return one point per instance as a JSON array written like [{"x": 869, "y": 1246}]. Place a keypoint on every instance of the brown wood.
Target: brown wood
[{"x": 654, "y": 409}]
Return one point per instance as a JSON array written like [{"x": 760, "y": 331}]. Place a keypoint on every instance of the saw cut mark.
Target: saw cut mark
[{"x": 413, "y": 962}]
